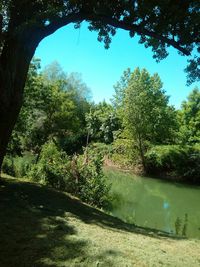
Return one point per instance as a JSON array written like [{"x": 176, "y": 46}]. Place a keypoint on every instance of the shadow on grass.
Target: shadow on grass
[{"x": 34, "y": 227}]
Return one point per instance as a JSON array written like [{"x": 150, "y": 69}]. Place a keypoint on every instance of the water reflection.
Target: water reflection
[
  {"x": 156, "y": 204},
  {"x": 166, "y": 213}
]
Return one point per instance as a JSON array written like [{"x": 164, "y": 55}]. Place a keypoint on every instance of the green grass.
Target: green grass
[{"x": 43, "y": 227}]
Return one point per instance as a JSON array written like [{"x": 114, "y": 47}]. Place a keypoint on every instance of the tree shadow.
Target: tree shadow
[
  {"x": 34, "y": 226},
  {"x": 32, "y": 230}
]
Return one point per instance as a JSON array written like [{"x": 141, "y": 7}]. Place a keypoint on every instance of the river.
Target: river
[{"x": 154, "y": 203}]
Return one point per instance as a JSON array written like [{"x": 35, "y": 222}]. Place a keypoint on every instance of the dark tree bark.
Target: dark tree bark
[{"x": 14, "y": 63}]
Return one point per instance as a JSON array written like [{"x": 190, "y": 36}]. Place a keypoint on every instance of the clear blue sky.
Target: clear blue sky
[{"x": 79, "y": 51}]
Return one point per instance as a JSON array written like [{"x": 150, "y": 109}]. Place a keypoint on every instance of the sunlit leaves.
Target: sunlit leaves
[
  {"x": 54, "y": 107},
  {"x": 147, "y": 116},
  {"x": 189, "y": 117}
]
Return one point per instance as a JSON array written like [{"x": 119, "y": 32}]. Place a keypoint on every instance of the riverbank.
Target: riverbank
[
  {"x": 138, "y": 170},
  {"x": 44, "y": 227}
]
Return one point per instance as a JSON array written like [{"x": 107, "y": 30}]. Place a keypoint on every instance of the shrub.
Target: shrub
[
  {"x": 8, "y": 165},
  {"x": 124, "y": 153},
  {"x": 18, "y": 166},
  {"x": 89, "y": 182},
  {"x": 82, "y": 176},
  {"x": 102, "y": 149},
  {"x": 73, "y": 143},
  {"x": 52, "y": 168},
  {"x": 181, "y": 162},
  {"x": 22, "y": 165}
]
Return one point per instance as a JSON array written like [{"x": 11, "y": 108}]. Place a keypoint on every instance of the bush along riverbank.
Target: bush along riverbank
[
  {"x": 81, "y": 175},
  {"x": 180, "y": 163},
  {"x": 169, "y": 162}
]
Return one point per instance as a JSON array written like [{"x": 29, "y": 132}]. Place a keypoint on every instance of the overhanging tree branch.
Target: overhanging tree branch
[
  {"x": 79, "y": 17},
  {"x": 61, "y": 22},
  {"x": 141, "y": 31}
]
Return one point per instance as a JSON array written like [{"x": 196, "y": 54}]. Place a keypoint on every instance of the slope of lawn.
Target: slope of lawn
[{"x": 43, "y": 227}]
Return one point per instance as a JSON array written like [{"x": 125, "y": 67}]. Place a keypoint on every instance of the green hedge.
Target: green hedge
[{"x": 182, "y": 162}]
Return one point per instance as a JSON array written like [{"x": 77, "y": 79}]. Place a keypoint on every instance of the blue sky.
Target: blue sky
[{"x": 79, "y": 51}]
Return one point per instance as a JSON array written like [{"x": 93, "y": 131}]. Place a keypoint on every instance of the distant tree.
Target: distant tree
[
  {"x": 102, "y": 122},
  {"x": 189, "y": 116},
  {"x": 29, "y": 112},
  {"x": 54, "y": 72},
  {"x": 147, "y": 116},
  {"x": 120, "y": 87},
  {"x": 24, "y": 23},
  {"x": 72, "y": 84},
  {"x": 52, "y": 109}
]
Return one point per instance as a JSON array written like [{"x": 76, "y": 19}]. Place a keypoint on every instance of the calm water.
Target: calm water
[{"x": 156, "y": 204}]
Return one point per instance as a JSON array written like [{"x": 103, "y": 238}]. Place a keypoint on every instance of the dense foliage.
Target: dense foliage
[
  {"x": 147, "y": 117},
  {"x": 102, "y": 122},
  {"x": 189, "y": 117},
  {"x": 90, "y": 181},
  {"x": 62, "y": 139},
  {"x": 81, "y": 176},
  {"x": 52, "y": 167},
  {"x": 164, "y": 139},
  {"x": 25, "y": 23},
  {"x": 142, "y": 106},
  {"x": 177, "y": 161},
  {"x": 51, "y": 129},
  {"x": 55, "y": 106}
]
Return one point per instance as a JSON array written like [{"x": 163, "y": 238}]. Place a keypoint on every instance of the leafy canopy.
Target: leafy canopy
[
  {"x": 147, "y": 118},
  {"x": 147, "y": 114},
  {"x": 54, "y": 107},
  {"x": 102, "y": 122},
  {"x": 159, "y": 24}
]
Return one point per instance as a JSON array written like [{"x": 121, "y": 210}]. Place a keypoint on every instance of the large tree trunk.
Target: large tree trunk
[{"x": 14, "y": 63}]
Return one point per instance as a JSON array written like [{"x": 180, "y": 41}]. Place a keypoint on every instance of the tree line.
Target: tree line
[
  {"x": 24, "y": 23},
  {"x": 165, "y": 140},
  {"x": 62, "y": 138}
]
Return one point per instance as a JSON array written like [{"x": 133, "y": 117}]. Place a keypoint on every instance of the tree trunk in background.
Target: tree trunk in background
[
  {"x": 141, "y": 152},
  {"x": 14, "y": 63}
]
